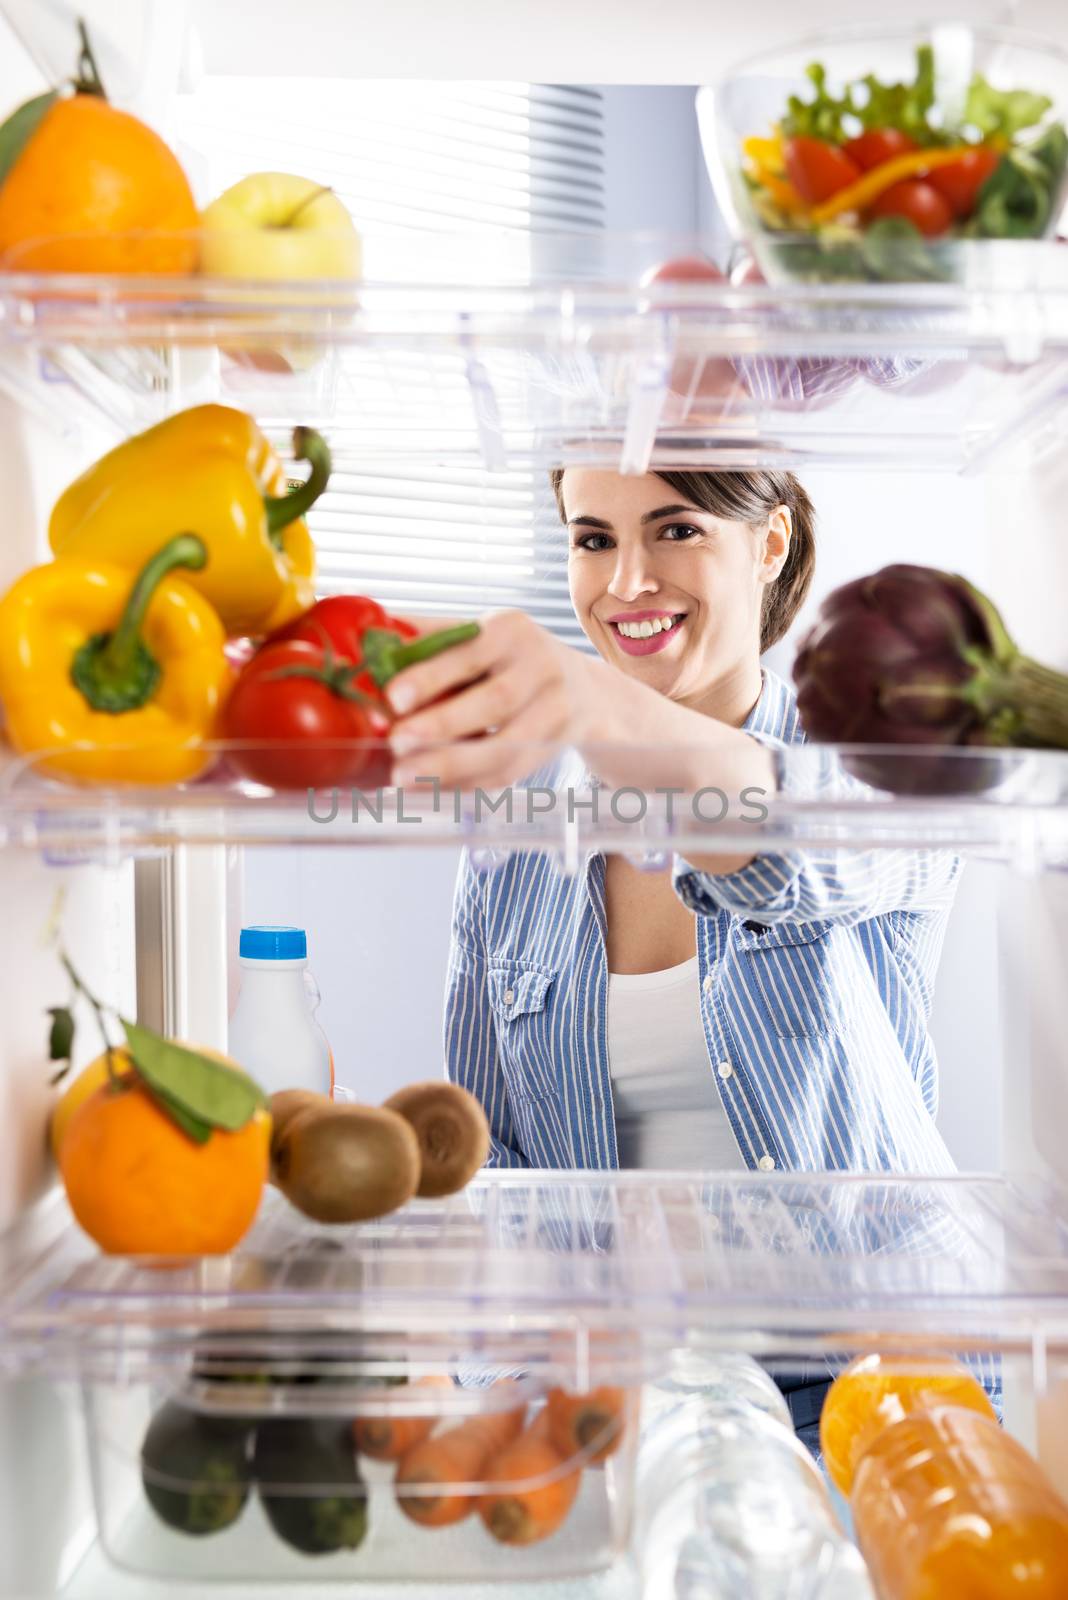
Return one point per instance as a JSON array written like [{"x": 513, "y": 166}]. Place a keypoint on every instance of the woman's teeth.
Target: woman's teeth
[{"x": 646, "y": 629}]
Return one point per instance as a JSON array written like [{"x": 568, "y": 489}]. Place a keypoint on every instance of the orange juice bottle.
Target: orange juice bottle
[
  {"x": 875, "y": 1391},
  {"x": 947, "y": 1506}
]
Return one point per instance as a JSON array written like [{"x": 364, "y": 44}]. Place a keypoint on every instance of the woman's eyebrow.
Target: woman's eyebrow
[
  {"x": 588, "y": 522},
  {"x": 669, "y": 511}
]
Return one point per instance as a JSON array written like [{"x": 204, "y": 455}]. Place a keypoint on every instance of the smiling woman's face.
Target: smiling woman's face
[{"x": 667, "y": 592}]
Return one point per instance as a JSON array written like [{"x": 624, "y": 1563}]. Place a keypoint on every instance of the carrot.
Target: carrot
[
  {"x": 577, "y": 1421},
  {"x": 537, "y": 1489},
  {"x": 453, "y": 1460},
  {"x": 388, "y": 1438}
]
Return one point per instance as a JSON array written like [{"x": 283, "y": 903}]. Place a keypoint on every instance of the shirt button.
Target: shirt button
[
  {"x": 766, "y": 1163},
  {"x": 509, "y": 996},
  {"x": 707, "y": 985},
  {"x": 725, "y": 1069}
]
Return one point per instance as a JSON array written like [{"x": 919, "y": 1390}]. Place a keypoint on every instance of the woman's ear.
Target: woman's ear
[{"x": 776, "y": 544}]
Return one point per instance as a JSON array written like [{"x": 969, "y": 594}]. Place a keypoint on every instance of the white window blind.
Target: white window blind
[{"x": 411, "y": 158}]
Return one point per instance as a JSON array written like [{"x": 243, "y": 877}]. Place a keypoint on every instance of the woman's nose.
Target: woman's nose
[{"x": 633, "y": 575}]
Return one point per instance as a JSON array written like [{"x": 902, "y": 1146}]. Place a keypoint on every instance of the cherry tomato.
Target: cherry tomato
[
  {"x": 341, "y": 619},
  {"x": 291, "y": 691},
  {"x": 876, "y": 145},
  {"x": 959, "y": 182},
  {"x": 918, "y": 203},
  {"x": 817, "y": 169}
]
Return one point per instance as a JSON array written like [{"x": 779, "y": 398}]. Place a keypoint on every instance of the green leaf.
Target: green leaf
[
  {"x": 61, "y": 1034},
  {"x": 194, "y": 1127},
  {"x": 16, "y": 132},
  {"x": 206, "y": 1090},
  {"x": 999, "y": 111}
]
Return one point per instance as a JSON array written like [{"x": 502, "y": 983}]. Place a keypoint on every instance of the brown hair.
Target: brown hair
[{"x": 751, "y": 497}]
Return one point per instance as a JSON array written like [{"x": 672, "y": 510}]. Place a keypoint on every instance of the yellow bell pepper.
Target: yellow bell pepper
[
  {"x": 912, "y": 164},
  {"x": 110, "y": 679},
  {"x": 209, "y": 468}
]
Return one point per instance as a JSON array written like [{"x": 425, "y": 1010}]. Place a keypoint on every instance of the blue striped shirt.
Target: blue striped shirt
[{"x": 816, "y": 973}]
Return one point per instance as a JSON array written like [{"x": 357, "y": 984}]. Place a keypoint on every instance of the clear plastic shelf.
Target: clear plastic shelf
[
  {"x": 574, "y": 358},
  {"x": 1009, "y": 805}
]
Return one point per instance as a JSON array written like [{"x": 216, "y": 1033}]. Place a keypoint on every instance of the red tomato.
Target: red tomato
[
  {"x": 342, "y": 619},
  {"x": 405, "y": 629},
  {"x": 270, "y": 701},
  {"x": 876, "y": 145},
  {"x": 817, "y": 169},
  {"x": 959, "y": 182},
  {"x": 918, "y": 203},
  {"x": 683, "y": 269}
]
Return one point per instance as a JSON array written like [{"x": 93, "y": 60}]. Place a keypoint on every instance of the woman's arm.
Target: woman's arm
[{"x": 471, "y": 1055}]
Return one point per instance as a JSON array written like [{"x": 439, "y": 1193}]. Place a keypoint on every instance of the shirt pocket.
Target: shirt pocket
[
  {"x": 519, "y": 994},
  {"x": 790, "y": 971}
]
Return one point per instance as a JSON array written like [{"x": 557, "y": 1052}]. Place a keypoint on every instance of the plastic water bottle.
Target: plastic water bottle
[
  {"x": 273, "y": 1031},
  {"x": 733, "y": 1507}
]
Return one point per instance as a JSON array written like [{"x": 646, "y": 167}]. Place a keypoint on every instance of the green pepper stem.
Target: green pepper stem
[
  {"x": 117, "y": 671},
  {"x": 387, "y": 658},
  {"x": 308, "y": 445}
]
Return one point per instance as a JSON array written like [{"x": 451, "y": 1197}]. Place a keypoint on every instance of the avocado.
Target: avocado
[
  {"x": 196, "y": 1471},
  {"x": 309, "y": 1484}
]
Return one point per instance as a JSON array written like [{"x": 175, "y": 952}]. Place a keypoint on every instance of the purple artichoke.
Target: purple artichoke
[{"x": 913, "y": 656}]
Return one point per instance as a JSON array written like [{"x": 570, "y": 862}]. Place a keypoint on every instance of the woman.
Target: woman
[{"x": 765, "y": 1012}]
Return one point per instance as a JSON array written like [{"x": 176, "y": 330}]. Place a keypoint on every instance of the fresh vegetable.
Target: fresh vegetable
[
  {"x": 453, "y": 1134},
  {"x": 960, "y": 181},
  {"x": 211, "y": 469},
  {"x": 817, "y": 169},
  {"x": 917, "y": 202},
  {"x": 309, "y": 1484},
  {"x": 299, "y": 722},
  {"x": 346, "y": 1163},
  {"x": 340, "y": 621},
  {"x": 453, "y": 1463},
  {"x": 578, "y": 1421},
  {"x": 388, "y": 1437},
  {"x": 385, "y": 654},
  {"x": 863, "y": 194},
  {"x": 113, "y": 677},
  {"x": 876, "y": 145},
  {"x": 196, "y": 1471},
  {"x": 911, "y": 655},
  {"x": 995, "y": 168},
  {"x": 537, "y": 1487}
]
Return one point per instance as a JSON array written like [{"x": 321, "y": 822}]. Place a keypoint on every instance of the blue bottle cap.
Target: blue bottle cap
[{"x": 273, "y": 944}]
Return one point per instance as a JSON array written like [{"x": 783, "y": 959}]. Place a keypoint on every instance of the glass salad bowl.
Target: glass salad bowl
[{"x": 890, "y": 154}]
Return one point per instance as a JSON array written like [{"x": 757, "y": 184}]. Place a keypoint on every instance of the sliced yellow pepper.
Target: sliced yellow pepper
[
  {"x": 208, "y": 468},
  {"x": 858, "y": 196},
  {"x": 110, "y": 679}
]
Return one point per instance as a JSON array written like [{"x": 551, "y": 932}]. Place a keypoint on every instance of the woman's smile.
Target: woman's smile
[{"x": 644, "y": 633}]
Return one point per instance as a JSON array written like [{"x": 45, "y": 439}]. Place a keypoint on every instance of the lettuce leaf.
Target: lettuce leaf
[{"x": 1003, "y": 112}]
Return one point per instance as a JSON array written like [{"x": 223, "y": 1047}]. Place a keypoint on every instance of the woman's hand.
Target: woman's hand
[{"x": 530, "y": 690}]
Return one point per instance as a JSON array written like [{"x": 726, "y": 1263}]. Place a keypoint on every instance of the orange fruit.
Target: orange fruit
[
  {"x": 77, "y": 1091},
  {"x": 875, "y": 1391},
  {"x": 139, "y": 1186},
  {"x": 96, "y": 190}
]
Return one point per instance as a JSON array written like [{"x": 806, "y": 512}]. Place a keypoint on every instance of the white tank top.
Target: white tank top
[{"x": 669, "y": 1115}]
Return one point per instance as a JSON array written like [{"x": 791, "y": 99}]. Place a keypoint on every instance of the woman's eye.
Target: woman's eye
[
  {"x": 593, "y": 541},
  {"x": 681, "y": 530}
]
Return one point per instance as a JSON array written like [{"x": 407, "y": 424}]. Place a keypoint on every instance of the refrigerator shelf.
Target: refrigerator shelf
[
  {"x": 559, "y": 352},
  {"x": 568, "y": 1278},
  {"x": 1009, "y": 805}
]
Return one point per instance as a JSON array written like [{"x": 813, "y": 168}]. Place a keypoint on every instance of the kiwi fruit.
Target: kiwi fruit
[
  {"x": 289, "y": 1103},
  {"x": 347, "y": 1163},
  {"x": 196, "y": 1471},
  {"x": 453, "y": 1134}
]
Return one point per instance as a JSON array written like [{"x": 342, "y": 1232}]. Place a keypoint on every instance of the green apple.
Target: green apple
[{"x": 273, "y": 225}]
